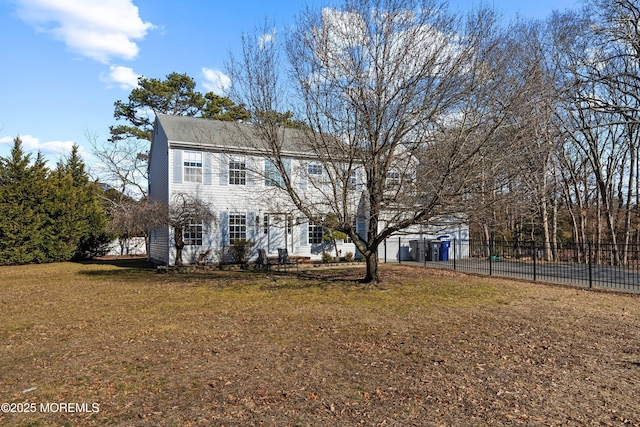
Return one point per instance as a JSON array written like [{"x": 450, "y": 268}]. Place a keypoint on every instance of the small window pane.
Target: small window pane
[{"x": 353, "y": 180}]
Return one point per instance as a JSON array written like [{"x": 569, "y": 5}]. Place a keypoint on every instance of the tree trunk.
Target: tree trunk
[
  {"x": 554, "y": 228},
  {"x": 487, "y": 238},
  {"x": 372, "y": 268},
  {"x": 598, "y": 231},
  {"x": 576, "y": 237},
  {"x": 177, "y": 234},
  {"x": 147, "y": 245},
  {"x": 544, "y": 215},
  {"x": 633, "y": 169},
  {"x": 611, "y": 223}
]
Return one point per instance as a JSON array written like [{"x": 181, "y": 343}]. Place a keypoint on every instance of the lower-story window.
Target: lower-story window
[
  {"x": 237, "y": 227},
  {"x": 315, "y": 233},
  {"x": 192, "y": 235}
]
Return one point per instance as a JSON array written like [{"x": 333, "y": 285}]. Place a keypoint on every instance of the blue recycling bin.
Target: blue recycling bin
[{"x": 444, "y": 250}]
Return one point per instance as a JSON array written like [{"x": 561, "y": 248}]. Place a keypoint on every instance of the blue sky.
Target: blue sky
[{"x": 67, "y": 61}]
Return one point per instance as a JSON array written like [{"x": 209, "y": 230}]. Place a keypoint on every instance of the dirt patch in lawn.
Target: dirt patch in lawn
[{"x": 424, "y": 347}]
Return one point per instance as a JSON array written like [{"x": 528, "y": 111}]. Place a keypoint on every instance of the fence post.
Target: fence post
[
  {"x": 490, "y": 257},
  {"x": 454, "y": 253},
  {"x": 535, "y": 257},
  {"x": 590, "y": 267},
  {"x": 399, "y": 250},
  {"x": 424, "y": 250},
  {"x": 385, "y": 251}
]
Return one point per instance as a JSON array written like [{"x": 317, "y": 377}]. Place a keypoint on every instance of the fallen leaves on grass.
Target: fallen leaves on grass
[{"x": 314, "y": 348}]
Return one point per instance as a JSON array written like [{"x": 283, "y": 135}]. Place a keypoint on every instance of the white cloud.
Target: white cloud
[
  {"x": 33, "y": 144},
  {"x": 413, "y": 47},
  {"x": 98, "y": 29},
  {"x": 122, "y": 76},
  {"x": 215, "y": 81},
  {"x": 267, "y": 38}
]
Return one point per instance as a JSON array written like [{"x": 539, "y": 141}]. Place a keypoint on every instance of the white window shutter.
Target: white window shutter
[
  {"x": 304, "y": 233},
  {"x": 177, "y": 166},
  {"x": 224, "y": 170},
  {"x": 206, "y": 168},
  {"x": 252, "y": 226},
  {"x": 252, "y": 174},
  {"x": 304, "y": 175},
  {"x": 224, "y": 229}
]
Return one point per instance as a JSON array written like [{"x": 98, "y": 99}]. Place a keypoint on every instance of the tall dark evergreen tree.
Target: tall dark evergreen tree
[
  {"x": 79, "y": 218},
  {"x": 25, "y": 227},
  {"x": 48, "y": 216}
]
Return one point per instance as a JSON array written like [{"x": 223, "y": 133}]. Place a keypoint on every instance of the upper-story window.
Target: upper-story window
[
  {"x": 353, "y": 180},
  {"x": 237, "y": 172},
  {"x": 192, "y": 166},
  {"x": 272, "y": 175},
  {"x": 393, "y": 177},
  {"x": 314, "y": 168}
]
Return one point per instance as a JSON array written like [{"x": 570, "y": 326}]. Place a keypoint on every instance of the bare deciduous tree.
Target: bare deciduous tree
[
  {"x": 599, "y": 57},
  {"x": 123, "y": 165},
  {"x": 186, "y": 211},
  {"x": 399, "y": 98},
  {"x": 130, "y": 218}
]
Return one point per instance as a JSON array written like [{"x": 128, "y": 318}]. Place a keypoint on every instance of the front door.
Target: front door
[{"x": 276, "y": 232}]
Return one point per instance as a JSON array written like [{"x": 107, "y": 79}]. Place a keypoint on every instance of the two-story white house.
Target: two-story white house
[
  {"x": 222, "y": 165},
  {"x": 218, "y": 163}
]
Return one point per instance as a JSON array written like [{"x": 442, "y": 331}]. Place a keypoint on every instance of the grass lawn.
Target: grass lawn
[{"x": 425, "y": 348}]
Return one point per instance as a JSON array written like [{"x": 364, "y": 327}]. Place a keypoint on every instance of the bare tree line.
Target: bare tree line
[
  {"x": 576, "y": 159},
  {"x": 530, "y": 131},
  {"x": 404, "y": 94}
]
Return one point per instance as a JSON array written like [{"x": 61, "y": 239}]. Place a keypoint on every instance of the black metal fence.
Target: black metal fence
[{"x": 588, "y": 265}]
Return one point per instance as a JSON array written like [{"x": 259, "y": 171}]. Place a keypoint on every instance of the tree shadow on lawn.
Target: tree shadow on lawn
[
  {"x": 125, "y": 262},
  {"x": 135, "y": 265},
  {"x": 311, "y": 279},
  {"x": 133, "y": 268},
  {"x": 265, "y": 279}
]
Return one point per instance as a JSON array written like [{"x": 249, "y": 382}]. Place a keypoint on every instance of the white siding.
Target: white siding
[
  {"x": 159, "y": 166},
  {"x": 159, "y": 190},
  {"x": 255, "y": 199}
]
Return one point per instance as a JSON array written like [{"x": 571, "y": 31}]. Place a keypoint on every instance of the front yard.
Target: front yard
[{"x": 121, "y": 345}]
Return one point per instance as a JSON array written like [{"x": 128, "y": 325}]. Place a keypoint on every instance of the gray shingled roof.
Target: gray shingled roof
[{"x": 224, "y": 135}]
